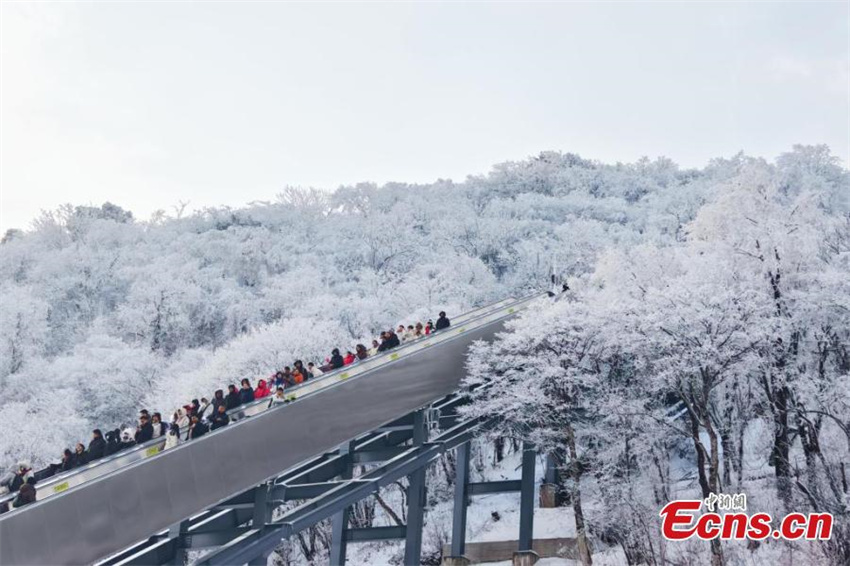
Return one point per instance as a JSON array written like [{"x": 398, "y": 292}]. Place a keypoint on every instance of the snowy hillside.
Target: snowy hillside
[
  {"x": 704, "y": 344},
  {"x": 103, "y": 313}
]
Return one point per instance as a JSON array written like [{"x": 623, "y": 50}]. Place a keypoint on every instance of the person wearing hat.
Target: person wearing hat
[{"x": 26, "y": 495}]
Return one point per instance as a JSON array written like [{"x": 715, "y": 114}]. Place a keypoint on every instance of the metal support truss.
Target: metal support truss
[{"x": 241, "y": 529}]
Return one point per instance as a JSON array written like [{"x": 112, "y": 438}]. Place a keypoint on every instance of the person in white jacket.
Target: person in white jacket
[
  {"x": 278, "y": 399},
  {"x": 180, "y": 418},
  {"x": 373, "y": 351},
  {"x": 172, "y": 437}
]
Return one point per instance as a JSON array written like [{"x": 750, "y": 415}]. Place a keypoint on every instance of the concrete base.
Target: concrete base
[
  {"x": 548, "y": 496},
  {"x": 525, "y": 558},
  {"x": 500, "y": 551},
  {"x": 455, "y": 561}
]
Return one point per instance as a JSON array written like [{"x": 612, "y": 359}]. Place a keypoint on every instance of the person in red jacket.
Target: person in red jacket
[
  {"x": 349, "y": 358},
  {"x": 262, "y": 390}
]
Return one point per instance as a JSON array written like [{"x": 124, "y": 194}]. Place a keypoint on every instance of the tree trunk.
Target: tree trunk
[
  {"x": 716, "y": 553},
  {"x": 700, "y": 450},
  {"x": 388, "y": 510},
  {"x": 782, "y": 445},
  {"x": 578, "y": 513},
  {"x": 742, "y": 428},
  {"x": 728, "y": 457},
  {"x": 499, "y": 445},
  {"x": 714, "y": 459}
]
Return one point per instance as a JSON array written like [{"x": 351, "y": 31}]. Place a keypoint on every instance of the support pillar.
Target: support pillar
[
  {"x": 460, "y": 503},
  {"x": 526, "y": 504},
  {"x": 549, "y": 489},
  {"x": 262, "y": 515},
  {"x": 416, "y": 498},
  {"x": 525, "y": 558},
  {"x": 176, "y": 533},
  {"x": 339, "y": 521}
]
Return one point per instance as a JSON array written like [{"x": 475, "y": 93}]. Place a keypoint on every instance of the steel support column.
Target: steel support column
[
  {"x": 416, "y": 498},
  {"x": 461, "y": 500},
  {"x": 339, "y": 521},
  {"x": 551, "y": 473},
  {"x": 526, "y": 504},
  {"x": 177, "y": 533},
  {"x": 262, "y": 515}
]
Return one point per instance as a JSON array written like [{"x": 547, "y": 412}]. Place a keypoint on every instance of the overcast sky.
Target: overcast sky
[{"x": 147, "y": 104}]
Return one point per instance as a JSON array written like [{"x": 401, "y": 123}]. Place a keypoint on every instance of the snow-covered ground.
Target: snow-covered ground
[{"x": 489, "y": 518}]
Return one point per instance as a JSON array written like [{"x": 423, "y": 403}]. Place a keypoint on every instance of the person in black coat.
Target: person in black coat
[
  {"x": 26, "y": 495},
  {"x": 218, "y": 401},
  {"x": 394, "y": 341},
  {"x": 336, "y": 359},
  {"x": 97, "y": 446},
  {"x": 220, "y": 419},
  {"x": 443, "y": 321},
  {"x": 196, "y": 429},
  {"x": 68, "y": 460},
  {"x": 113, "y": 442},
  {"x": 385, "y": 342},
  {"x": 80, "y": 454},
  {"x": 145, "y": 430},
  {"x": 233, "y": 399},
  {"x": 246, "y": 394}
]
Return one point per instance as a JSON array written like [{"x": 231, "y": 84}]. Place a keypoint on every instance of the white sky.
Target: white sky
[{"x": 146, "y": 104}]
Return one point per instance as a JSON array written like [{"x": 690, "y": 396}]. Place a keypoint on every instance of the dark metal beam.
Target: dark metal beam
[
  {"x": 160, "y": 552},
  {"x": 375, "y": 533},
  {"x": 339, "y": 521},
  {"x": 262, "y": 514},
  {"x": 461, "y": 497},
  {"x": 304, "y": 490},
  {"x": 224, "y": 519},
  {"x": 322, "y": 471},
  {"x": 378, "y": 454},
  {"x": 212, "y": 539},
  {"x": 141, "y": 547},
  {"x": 485, "y": 488},
  {"x": 526, "y": 503},
  {"x": 416, "y": 498}
]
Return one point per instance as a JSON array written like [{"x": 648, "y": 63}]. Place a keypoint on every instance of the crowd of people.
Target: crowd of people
[{"x": 202, "y": 416}]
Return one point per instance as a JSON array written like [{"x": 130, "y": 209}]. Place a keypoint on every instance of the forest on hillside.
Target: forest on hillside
[
  {"x": 716, "y": 362},
  {"x": 102, "y": 313}
]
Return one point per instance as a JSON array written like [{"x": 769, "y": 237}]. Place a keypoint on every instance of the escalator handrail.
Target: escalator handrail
[{"x": 59, "y": 483}]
